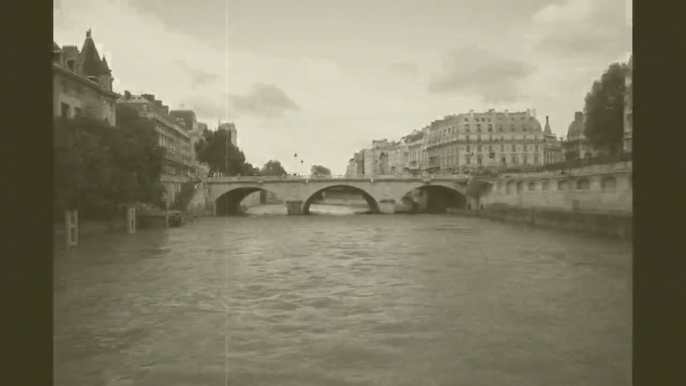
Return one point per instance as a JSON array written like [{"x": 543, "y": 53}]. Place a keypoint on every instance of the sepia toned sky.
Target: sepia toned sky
[{"x": 324, "y": 77}]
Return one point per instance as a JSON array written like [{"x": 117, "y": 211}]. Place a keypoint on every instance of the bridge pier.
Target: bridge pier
[
  {"x": 294, "y": 208},
  {"x": 387, "y": 206}
]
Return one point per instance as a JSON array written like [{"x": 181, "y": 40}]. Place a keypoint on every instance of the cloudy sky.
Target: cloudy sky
[{"x": 324, "y": 77}]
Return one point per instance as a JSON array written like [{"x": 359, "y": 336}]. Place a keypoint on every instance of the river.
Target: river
[{"x": 343, "y": 300}]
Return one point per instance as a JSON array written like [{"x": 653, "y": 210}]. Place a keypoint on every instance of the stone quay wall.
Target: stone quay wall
[
  {"x": 595, "y": 200},
  {"x": 601, "y": 189}
]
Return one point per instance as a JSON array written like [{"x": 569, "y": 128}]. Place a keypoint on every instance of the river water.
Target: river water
[{"x": 343, "y": 300}]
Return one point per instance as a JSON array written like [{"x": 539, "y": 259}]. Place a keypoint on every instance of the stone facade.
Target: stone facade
[
  {"x": 490, "y": 139},
  {"x": 82, "y": 83},
  {"x": 598, "y": 188},
  {"x": 179, "y": 155},
  {"x": 233, "y": 132}
]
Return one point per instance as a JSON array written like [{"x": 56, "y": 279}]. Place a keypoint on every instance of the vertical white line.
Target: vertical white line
[{"x": 226, "y": 259}]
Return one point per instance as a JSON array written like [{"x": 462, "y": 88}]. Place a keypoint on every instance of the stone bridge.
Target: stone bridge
[{"x": 382, "y": 193}]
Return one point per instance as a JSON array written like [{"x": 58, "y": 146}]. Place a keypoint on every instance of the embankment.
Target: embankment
[{"x": 617, "y": 225}]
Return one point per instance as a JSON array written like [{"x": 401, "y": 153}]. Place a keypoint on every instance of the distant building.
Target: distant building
[
  {"x": 552, "y": 151},
  {"x": 179, "y": 155},
  {"x": 629, "y": 106},
  {"x": 233, "y": 133},
  {"x": 576, "y": 145},
  {"x": 82, "y": 83},
  {"x": 413, "y": 152},
  {"x": 483, "y": 140}
]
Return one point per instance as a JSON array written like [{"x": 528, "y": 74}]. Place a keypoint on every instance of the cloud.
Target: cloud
[
  {"x": 263, "y": 100},
  {"x": 198, "y": 76},
  {"x": 473, "y": 70},
  {"x": 404, "y": 68},
  {"x": 583, "y": 28}
]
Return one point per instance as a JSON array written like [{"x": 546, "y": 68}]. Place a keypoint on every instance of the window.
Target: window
[
  {"x": 478, "y": 127},
  {"x": 512, "y": 126},
  {"x": 478, "y": 160},
  {"x": 467, "y": 138},
  {"x": 526, "y": 148},
  {"x": 524, "y": 127},
  {"x": 502, "y": 147},
  {"x": 500, "y": 128},
  {"x": 70, "y": 64},
  {"x": 545, "y": 185},
  {"x": 503, "y": 161},
  {"x": 490, "y": 127},
  {"x": 64, "y": 112},
  {"x": 532, "y": 186},
  {"x": 514, "y": 159},
  {"x": 478, "y": 148},
  {"x": 490, "y": 148},
  {"x": 535, "y": 158},
  {"x": 468, "y": 160},
  {"x": 490, "y": 138},
  {"x": 478, "y": 138},
  {"x": 525, "y": 159},
  {"x": 536, "y": 147},
  {"x": 583, "y": 184},
  {"x": 466, "y": 127},
  {"x": 467, "y": 148},
  {"x": 608, "y": 184},
  {"x": 562, "y": 185},
  {"x": 77, "y": 112}
]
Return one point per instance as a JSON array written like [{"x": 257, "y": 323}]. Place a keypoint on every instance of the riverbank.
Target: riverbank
[{"x": 615, "y": 225}]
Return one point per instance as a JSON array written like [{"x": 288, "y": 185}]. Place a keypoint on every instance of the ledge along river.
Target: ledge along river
[{"x": 343, "y": 300}]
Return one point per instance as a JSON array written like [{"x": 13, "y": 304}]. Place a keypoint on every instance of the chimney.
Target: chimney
[
  {"x": 528, "y": 112},
  {"x": 149, "y": 97},
  {"x": 166, "y": 109},
  {"x": 533, "y": 112},
  {"x": 578, "y": 115},
  {"x": 546, "y": 120}
]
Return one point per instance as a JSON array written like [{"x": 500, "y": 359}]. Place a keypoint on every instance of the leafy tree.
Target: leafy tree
[
  {"x": 605, "y": 109},
  {"x": 319, "y": 170},
  {"x": 216, "y": 150},
  {"x": 98, "y": 167},
  {"x": 273, "y": 168}
]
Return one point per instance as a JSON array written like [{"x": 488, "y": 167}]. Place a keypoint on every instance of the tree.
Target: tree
[
  {"x": 273, "y": 168},
  {"x": 318, "y": 170},
  {"x": 98, "y": 167},
  {"x": 604, "y": 110},
  {"x": 216, "y": 150}
]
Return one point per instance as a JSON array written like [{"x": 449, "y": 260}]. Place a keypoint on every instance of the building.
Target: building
[
  {"x": 394, "y": 158},
  {"x": 172, "y": 137},
  {"x": 233, "y": 133},
  {"x": 481, "y": 140},
  {"x": 413, "y": 153},
  {"x": 552, "y": 152},
  {"x": 190, "y": 124},
  {"x": 82, "y": 83},
  {"x": 576, "y": 144},
  {"x": 629, "y": 106}
]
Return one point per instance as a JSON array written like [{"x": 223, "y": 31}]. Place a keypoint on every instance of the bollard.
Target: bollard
[
  {"x": 131, "y": 220},
  {"x": 71, "y": 227}
]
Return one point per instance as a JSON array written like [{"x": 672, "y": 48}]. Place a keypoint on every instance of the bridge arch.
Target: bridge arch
[
  {"x": 229, "y": 202},
  {"x": 434, "y": 198},
  {"x": 371, "y": 201}
]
